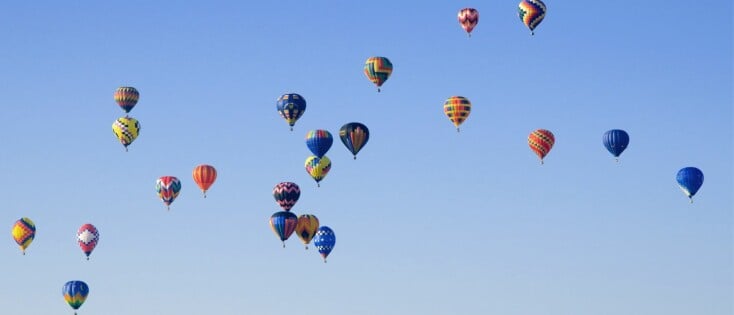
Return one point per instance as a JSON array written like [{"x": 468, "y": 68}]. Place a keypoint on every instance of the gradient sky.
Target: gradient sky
[{"x": 427, "y": 221}]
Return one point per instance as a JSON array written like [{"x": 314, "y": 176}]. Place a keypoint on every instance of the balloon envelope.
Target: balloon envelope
[
  {"x": 324, "y": 241},
  {"x": 24, "y": 231},
  {"x": 126, "y": 97},
  {"x": 204, "y": 176},
  {"x": 354, "y": 136},
  {"x": 531, "y": 13},
  {"x": 286, "y": 194},
  {"x": 457, "y": 109},
  {"x": 319, "y": 141},
  {"x": 468, "y": 18},
  {"x": 306, "y": 228},
  {"x": 283, "y": 224},
  {"x": 87, "y": 236},
  {"x": 126, "y": 129},
  {"x": 541, "y": 142},
  {"x": 168, "y": 188},
  {"x": 318, "y": 167},
  {"x": 291, "y": 107},
  {"x": 616, "y": 141},
  {"x": 378, "y": 70},
  {"x": 690, "y": 179},
  {"x": 75, "y": 293}
]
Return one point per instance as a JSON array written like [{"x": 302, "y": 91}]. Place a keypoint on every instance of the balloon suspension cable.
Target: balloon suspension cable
[
  {"x": 378, "y": 90},
  {"x": 125, "y": 149},
  {"x": 24, "y": 253},
  {"x": 306, "y": 247},
  {"x": 318, "y": 185},
  {"x": 541, "y": 161},
  {"x": 457, "y": 129},
  {"x": 469, "y": 35},
  {"x": 324, "y": 260},
  {"x": 87, "y": 257},
  {"x": 616, "y": 160},
  {"x": 355, "y": 157},
  {"x": 168, "y": 208},
  {"x": 532, "y": 33},
  {"x": 283, "y": 244},
  {"x": 689, "y": 198},
  {"x": 291, "y": 128},
  {"x": 204, "y": 193}
]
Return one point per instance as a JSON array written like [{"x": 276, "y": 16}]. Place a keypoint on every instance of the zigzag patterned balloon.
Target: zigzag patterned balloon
[
  {"x": 378, "y": 70},
  {"x": 541, "y": 142},
  {"x": 457, "y": 109},
  {"x": 24, "y": 231},
  {"x": 87, "y": 237},
  {"x": 531, "y": 13},
  {"x": 168, "y": 188},
  {"x": 286, "y": 194},
  {"x": 306, "y": 228},
  {"x": 126, "y": 129},
  {"x": 468, "y": 18},
  {"x": 126, "y": 97}
]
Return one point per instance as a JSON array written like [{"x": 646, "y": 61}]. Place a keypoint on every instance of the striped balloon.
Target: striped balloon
[
  {"x": 204, "y": 176},
  {"x": 354, "y": 135},
  {"x": 318, "y": 167},
  {"x": 286, "y": 194},
  {"x": 468, "y": 18},
  {"x": 306, "y": 228},
  {"x": 457, "y": 109},
  {"x": 24, "y": 231},
  {"x": 319, "y": 141},
  {"x": 531, "y": 13},
  {"x": 87, "y": 237},
  {"x": 378, "y": 69},
  {"x": 291, "y": 107},
  {"x": 75, "y": 293},
  {"x": 126, "y": 129},
  {"x": 168, "y": 188},
  {"x": 324, "y": 241},
  {"x": 126, "y": 97},
  {"x": 541, "y": 141},
  {"x": 283, "y": 224}
]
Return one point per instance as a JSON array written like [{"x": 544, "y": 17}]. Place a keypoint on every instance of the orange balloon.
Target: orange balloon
[
  {"x": 541, "y": 142},
  {"x": 204, "y": 176}
]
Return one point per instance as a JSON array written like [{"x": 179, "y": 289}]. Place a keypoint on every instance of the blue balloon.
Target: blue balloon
[
  {"x": 616, "y": 141},
  {"x": 319, "y": 141},
  {"x": 324, "y": 241},
  {"x": 291, "y": 107},
  {"x": 690, "y": 180},
  {"x": 75, "y": 293}
]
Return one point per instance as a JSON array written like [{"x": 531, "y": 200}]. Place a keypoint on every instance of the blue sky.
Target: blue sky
[{"x": 427, "y": 221}]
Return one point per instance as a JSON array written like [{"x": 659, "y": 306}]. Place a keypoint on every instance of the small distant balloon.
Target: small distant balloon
[
  {"x": 75, "y": 293},
  {"x": 204, "y": 176},
  {"x": 541, "y": 142},
  {"x": 291, "y": 107},
  {"x": 324, "y": 241},
  {"x": 306, "y": 228},
  {"x": 87, "y": 236},
  {"x": 126, "y": 97},
  {"x": 23, "y": 231},
  {"x": 468, "y": 18},
  {"x": 354, "y": 136},
  {"x": 318, "y": 167},
  {"x": 690, "y": 180},
  {"x": 286, "y": 194},
  {"x": 319, "y": 141},
  {"x": 168, "y": 188},
  {"x": 616, "y": 141},
  {"x": 531, "y": 13},
  {"x": 126, "y": 130},
  {"x": 283, "y": 224},
  {"x": 378, "y": 70},
  {"x": 457, "y": 109}
]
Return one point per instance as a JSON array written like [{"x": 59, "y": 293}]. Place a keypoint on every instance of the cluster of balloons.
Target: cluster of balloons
[
  {"x": 531, "y": 13},
  {"x": 126, "y": 128},
  {"x": 306, "y": 226},
  {"x": 168, "y": 187}
]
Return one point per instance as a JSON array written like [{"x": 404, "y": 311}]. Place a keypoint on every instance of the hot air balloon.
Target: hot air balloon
[
  {"x": 306, "y": 228},
  {"x": 324, "y": 241},
  {"x": 126, "y": 129},
  {"x": 24, "y": 231},
  {"x": 541, "y": 141},
  {"x": 468, "y": 18},
  {"x": 291, "y": 107},
  {"x": 126, "y": 97},
  {"x": 616, "y": 141},
  {"x": 204, "y": 176},
  {"x": 319, "y": 141},
  {"x": 283, "y": 224},
  {"x": 318, "y": 167},
  {"x": 168, "y": 188},
  {"x": 354, "y": 136},
  {"x": 75, "y": 293},
  {"x": 378, "y": 69},
  {"x": 457, "y": 109},
  {"x": 690, "y": 180},
  {"x": 87, "y": 237},
  {"x": 286, "y": 194},
  {"x": 531, "y": 13}
]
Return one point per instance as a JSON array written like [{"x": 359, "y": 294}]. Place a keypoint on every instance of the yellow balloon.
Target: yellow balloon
[
  {"x": 126, "y": 130},
  {"x": 318, "y": 167},
  {"x": 24, "y": 230}
]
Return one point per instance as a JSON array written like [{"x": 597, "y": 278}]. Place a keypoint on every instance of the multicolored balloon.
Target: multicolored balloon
[
  {"x": 378, "y": 70},
  {"x": 354, "y": 135},
  {"x": 324, "y": 241},
  {"x": 126, "y": 97},
  {"x": 291, "y": 107},
  {"x": 286, "y": 194},
  {"x": 690, "y": 179},
  {"x": 126, "y": 129},
  {"x": 168, "y": 188},
  {"x": 318, "y": 167},
  {"x": 319, "y": 141},
  {"x": 23, "y": 231},
  {"x": 468, "y": 18},
  {"x": 204, "y": 176},
  {"x": 306, "y": 228},
  {"x": 457, "y": 109},
  {"x": 283, "y": 224},
  {"x": 75, "y": 293},
  {"x": 87, "y": 237},
  {"x": 541, "y": 142},
  {"x": 531, "y": 13},
  {"x": 616, "y": 141}
]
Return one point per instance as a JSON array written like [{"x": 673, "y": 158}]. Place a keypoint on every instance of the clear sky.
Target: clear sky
[{"x": 427, "y": 220}]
